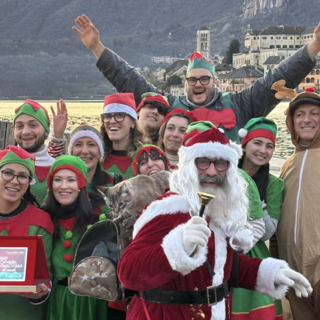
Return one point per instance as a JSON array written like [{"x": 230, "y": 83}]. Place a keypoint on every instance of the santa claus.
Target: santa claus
[{"x": 180, "y": 263}]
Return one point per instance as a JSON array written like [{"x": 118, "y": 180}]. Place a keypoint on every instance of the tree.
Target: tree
[
  {"x": 173, "y": 80},
  {"x": 234, "y": 47}
]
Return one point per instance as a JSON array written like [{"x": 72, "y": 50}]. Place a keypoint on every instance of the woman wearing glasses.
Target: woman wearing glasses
[
  {"x": 258, "y": 144},
  {"x": 171, "y": 133},
  {"x": 149, "y": 159},
  {"x": 20, "y": 216},
  {"x": 120, "y": 133}
]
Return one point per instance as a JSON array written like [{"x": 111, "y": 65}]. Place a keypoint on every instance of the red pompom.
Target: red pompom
[
  {"x": 68, "y": 257},
  {"x": 310, "y": 89},
  {"x": 67, "y": 244}
]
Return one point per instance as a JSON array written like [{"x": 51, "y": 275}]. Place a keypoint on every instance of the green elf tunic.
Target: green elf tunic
[
  {"x": 64, "y": 305},
  {"x": 120, "y": 163},
  {"x": 25, "y": 220},
  {"x": 252, "y": 305}
]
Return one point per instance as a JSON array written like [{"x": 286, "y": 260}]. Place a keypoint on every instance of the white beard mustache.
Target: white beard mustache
[{"x": 217, "y": 208}]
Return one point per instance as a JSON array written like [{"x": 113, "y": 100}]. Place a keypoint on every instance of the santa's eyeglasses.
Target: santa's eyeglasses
[{"x": 219, "y": 164}]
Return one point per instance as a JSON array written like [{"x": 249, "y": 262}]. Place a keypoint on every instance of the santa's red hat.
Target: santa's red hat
[{"x": 211, "y": 143}]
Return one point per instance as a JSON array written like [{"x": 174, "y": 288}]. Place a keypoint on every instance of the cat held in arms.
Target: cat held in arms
[{"x": 127, "y": 198}]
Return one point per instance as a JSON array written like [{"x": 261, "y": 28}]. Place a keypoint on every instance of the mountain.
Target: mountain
[{"x": 40, "y": 56}]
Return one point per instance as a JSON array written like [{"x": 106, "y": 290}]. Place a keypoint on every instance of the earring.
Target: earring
[{"x": 79, "y": 190}]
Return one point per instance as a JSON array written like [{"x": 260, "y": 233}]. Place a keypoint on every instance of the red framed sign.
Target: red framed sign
[{"x": 23, "y": 264}]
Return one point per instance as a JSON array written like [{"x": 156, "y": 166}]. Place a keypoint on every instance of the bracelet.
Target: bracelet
[{"x": 57, "y": 140}]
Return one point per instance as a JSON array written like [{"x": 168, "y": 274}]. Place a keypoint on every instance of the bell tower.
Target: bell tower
[{"x": 203, "y": 41}]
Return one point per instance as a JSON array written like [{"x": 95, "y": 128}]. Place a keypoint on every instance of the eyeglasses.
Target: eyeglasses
[
  {"x": 118, "y": 117},
  {"x": 9, "y": 176},
  {"x": 192, "y": 81},
  {"x": 204, "y": 163}
]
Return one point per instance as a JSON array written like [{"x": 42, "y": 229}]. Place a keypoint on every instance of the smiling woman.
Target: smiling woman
[
  {"x": 258, "y": 143},
  {"x": 20, "y": 216},
  {"x": 70, "y": 209},
  {"x": 87, "y": 143},
  {"x": 171, "y": 132},
  {"x": 120, "y": 133}
]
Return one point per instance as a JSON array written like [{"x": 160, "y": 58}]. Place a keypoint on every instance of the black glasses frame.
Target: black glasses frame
[
  {"x": 201, "y": 80},
  {"x": 113, "y": 115},
  {"x": 214, "y": 163},
  {"x": 15, "y": 175}
]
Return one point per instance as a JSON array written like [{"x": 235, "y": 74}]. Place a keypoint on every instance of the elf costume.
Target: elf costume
[
  {"x": 26, "y": 219},
  {"x": 230, "y": 110},
  {"x": 63, "y": 304},
  {"x": 43, "y": 159},
  {"x": 249, "y": 304},
  {"x": 118, "y": 161}
]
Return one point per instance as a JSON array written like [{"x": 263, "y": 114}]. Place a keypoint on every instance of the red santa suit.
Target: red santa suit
[{"x": 156, "y": 258}]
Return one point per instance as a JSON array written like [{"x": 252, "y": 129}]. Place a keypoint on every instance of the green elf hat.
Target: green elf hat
[
  {"x": 146, "y": 148},
  {"x": 196, "y": 127},
  {"x": 197, "y": 60},
  {"x": 258, "y": 127},
  {"x": 84, "y": 130},
  {"x": 35, "y": 110},
  {"x": 72, "y": 163},
  {"x": 152, "y": 96},
  {"x": 13, "y": 154}
]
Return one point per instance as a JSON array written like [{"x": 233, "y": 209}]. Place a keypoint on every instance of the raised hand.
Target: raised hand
[
  {"x": 60, "y": 119},
  {"x": 89, "y": 35},
  {"x": 313, "y": 48}
]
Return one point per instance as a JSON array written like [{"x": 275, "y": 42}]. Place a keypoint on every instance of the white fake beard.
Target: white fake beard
[{"x": 217, "y": 208}]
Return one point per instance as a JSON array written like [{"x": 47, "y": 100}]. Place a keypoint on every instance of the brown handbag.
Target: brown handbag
[{"x": 95, "y": 265}]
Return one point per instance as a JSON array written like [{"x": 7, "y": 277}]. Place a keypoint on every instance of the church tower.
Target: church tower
[{"x": 203, "y": 41}]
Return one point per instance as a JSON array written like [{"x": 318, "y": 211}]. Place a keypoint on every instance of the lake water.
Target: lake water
[{"x": 89, "y": 111}]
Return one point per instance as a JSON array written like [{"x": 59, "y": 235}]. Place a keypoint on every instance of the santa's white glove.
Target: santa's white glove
[
  {"x": 196, "y": 233},
  {"x": 291, "y": 278}
]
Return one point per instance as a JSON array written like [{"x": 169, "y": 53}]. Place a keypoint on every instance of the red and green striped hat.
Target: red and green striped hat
[
  {"x": 84, "y": 130},
  {"x": 152, "y": 96},
  {"x": 258, "y": 127},
  {"x": 35, "y": 110},
  {"x": 146, "y": 148},
  {"x": 197, "y": 61},
  {"x": 72, "y": 163},
  {"x": 13, "y": 154},
  {"x": 196, "y": 127}
]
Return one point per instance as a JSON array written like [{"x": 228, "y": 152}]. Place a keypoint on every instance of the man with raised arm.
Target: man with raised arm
[{"x": 229, "y": 110}]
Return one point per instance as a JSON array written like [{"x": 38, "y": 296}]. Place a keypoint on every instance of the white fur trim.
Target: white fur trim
[
  {"x": 118, "y": 107},
  {"x": 218, "y": 312},
  {"x": 242, "y": 133},
  {"x": 210, "y": 149},
  {"x": 169, "y": 205},
  {"x": 178, "y": 258},
  {"x": 265, "y": 279},
  {"x": 89, "y": 134}
]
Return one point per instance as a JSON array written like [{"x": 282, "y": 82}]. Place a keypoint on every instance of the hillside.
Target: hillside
[{"x": 41, "y": 56}]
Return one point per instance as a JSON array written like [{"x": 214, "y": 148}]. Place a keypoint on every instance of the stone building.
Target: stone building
[
  {"x": 203, "y": 41},
  {"x": 280, "y": 41}
]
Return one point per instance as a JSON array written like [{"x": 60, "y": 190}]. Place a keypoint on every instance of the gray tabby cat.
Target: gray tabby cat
[{"x": 127, "y": 198}]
